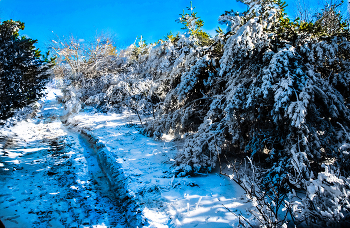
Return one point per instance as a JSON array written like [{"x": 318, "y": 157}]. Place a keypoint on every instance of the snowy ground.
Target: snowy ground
[
  {"x": 52, "y": 176},
  {"x": 146, "y": 164}
]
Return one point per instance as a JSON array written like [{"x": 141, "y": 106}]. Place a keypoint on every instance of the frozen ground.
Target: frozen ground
[
  {"x": 52, "y": 176},
  {"x": 49, "y": 177}
]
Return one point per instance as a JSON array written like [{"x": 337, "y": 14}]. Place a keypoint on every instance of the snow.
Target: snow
[
  {"x": 47, "y": 187},
  {"x": 146, "y": 163},
  {"x": 35, "y": 194}
]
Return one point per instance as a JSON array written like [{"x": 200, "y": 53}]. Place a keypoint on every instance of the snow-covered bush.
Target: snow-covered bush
[
  {"x": 326, "y": 202},
  {"x": 85, "y": 69},
  {"x": 71, "y": 98},
  {"x": 278, "y": 92},
  {"x": 270, "y": 206}
]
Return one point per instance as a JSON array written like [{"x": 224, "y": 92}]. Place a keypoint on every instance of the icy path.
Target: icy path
[{"x": 49, "y": 176}]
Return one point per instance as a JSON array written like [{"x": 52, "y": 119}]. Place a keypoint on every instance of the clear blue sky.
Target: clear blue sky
[{"x": 123, "y": 19}]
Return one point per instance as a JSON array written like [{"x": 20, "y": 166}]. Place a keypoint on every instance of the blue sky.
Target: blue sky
[{"x": 122, "y": 19}]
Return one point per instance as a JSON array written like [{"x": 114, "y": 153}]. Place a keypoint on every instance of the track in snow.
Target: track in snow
[{"x": 50, "y": 177}]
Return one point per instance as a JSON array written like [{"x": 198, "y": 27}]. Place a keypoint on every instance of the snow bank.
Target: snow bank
[
  {"x": 113, "y": 170},
  {"x": 141, "y": 175}
]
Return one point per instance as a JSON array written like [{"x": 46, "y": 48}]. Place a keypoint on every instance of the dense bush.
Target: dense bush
[{"x": 23, "y": 70}]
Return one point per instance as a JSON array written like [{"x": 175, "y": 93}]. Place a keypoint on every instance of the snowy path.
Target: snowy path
[
  {"x": 147, "y": 173},
  {"x": 49, "y": 176}
]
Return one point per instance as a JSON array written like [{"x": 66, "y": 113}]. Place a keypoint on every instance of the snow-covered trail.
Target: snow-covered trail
[
  {"x": 145, "y": 167},
  {"x": 50, "y": 177}
]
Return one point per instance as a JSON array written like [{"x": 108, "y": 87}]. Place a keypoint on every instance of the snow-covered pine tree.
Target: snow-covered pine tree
[
  {"x": 187, "y": 89},
  {"x": 23, "y": 70},
  {"x": 285, "y": 88},
  {"x": 193, "y": 26}
]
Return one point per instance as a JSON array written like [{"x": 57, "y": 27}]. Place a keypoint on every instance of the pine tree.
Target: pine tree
[
  {"x": 23, "y": 70},
  {"x": 193, "y": 26},
  {"x": 284, "y": 89}
]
